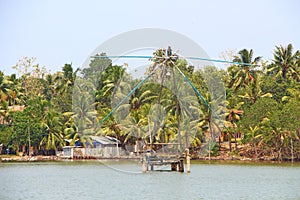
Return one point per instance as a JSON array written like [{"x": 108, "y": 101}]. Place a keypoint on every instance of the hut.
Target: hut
[
  {"x": 99, "y": 147},
  {"x": 104, "y": 146}
]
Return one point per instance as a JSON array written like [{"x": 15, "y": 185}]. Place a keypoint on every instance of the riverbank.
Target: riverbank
[
  {"x": 246, "y": 159},
  {"x": 12, "y": 158},
  {"x": 5, "y": 158}
]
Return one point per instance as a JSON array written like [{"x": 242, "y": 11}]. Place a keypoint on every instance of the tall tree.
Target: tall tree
[
  {"x": 64, "y": 82},
  {"x": 52, "y": 138},
  {"x": 253, "y": 92},
  {"x": 243, "y": 74},
  {"x": 3, "y": 87},
  {"x": 15, "y": 90},
  {"x": 284, "y": 63}
]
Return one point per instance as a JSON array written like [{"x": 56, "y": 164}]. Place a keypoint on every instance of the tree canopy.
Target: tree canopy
[{"x": 259, "y": 102}]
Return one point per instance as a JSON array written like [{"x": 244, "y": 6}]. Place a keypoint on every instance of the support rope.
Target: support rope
[
  {"x": 188, "y": 58},
  {"x": 184, "y": 76}
]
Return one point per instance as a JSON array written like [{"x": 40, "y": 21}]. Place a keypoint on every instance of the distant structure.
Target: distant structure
[{"x": 100, "y": 147}]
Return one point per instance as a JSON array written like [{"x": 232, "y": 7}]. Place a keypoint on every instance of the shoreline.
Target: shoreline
[{"x": 5, "y": 158}]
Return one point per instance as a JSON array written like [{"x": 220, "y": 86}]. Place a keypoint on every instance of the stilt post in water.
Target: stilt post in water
[{"x": 188, "y": 161}]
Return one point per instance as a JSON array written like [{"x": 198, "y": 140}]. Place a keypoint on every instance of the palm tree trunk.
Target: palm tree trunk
[
  {"x": 210, "y": 138},
  {"x": 229, "y": 140},
  {"x": 235, "y": 143},
  {"x": 234, "y": 129},
  {"x": 255, "y": 149}
]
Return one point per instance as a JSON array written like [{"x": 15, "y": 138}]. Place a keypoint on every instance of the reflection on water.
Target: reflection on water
[{"x": 95, "y": 180}]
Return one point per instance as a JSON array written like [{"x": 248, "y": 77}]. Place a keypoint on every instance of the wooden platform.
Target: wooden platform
[{"x": 176, "y": 163}]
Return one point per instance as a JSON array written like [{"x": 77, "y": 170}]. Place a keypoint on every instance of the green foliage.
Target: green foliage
[
  {"x": 22, "y": 123},
  {"x": 5, "y": 134},
  {"x": 277, "y": 88},
  {"x": 96, "y": 67},
  {"x": 262, "y": 103},
  {"x": 261, "y": 111},
  {"x": 285, "y": 63},
  {"x": 290, "y": 116}
]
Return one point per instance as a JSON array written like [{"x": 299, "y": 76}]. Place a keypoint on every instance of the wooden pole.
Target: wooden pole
[
  {"x": 144, "y": 165},
  {"x": 150, "y": 135},
  {"x": 181, "y": 165},
  {"x": 188, "y": 161},
  {"x": 292, "y": 150},
  {"x": 29, "y": 142},
  {"x": 173, "y": 167}
]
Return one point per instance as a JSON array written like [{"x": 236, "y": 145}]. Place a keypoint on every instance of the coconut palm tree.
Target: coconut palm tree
[
  {"x": 109, "y": 127},
  {"x": 66, "y": 78},
  {"x": 243, "y": 74},
  {"x": 233, "y": 115},
  {"x": 253, "y": 92},
  {"x": 4, "y": 112},
  {"x": 53, "y": 137},
  {"x": 180, "y": 101},
  {"x": 15, "y": 90},
  {"x": 255, "y": 138},
  {"x": 285, "y": 63},
  {"x": 4, "y": 88},
  {"x": 163, "y": 64},
  {"x": 211, "y": 121},
  {"x": 84, "y": 113},
  {"x": 135, "y": 126}
]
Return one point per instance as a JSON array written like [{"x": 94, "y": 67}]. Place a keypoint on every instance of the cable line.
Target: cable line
[{"x": 187, "y": 58}]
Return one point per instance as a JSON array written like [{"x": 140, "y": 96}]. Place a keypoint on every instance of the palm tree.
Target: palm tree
[
  {"x": 255, "y": 138},
  {"x": 161, "y": 64},
  {"x": 285, "y": 63},
  {"x": 210, "y": 122},
  {"x": 4, "y": 112},
  {"x": 15, "y": 90},
  {"x": 109, "y": 127},
  {"x": 66, "y": 78},
  {"x": 3, "y": 87},
  {"x": 84, "y": 113},
  {"x": 181, "y": 102},
  {"x": 52, "y": 123},
  {"x": 135, "y": 127},
  {"x": 233, "y": 115},
  {"x": 294, "y": 94},
  {"x": 243, "y": 74},
  {"x": 111, "y": 79},
  {"x": 70, "y": 129},
  {"x": 64, "y": 83},
  {"x": 49, "y": 86},
  {"x": 133, "y": 115},
  {"x": 253, "y": 92}
]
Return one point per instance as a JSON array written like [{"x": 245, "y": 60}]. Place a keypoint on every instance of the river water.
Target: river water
[{"x": 123, "y": 180}]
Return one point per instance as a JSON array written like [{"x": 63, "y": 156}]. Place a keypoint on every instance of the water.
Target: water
[{"x": 95, "y": 180}]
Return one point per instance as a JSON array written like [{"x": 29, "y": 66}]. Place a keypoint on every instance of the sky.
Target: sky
[{"x": 56, "y": 32}]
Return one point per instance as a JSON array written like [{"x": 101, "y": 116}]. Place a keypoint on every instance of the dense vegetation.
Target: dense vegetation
[{"x": 262, "y": 101}]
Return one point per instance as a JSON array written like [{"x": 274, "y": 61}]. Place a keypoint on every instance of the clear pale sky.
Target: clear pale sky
[{"x": 63, "y": 31}]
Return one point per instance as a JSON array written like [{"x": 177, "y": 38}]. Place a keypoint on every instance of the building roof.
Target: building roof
[{"x": 105, "y": 140}]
